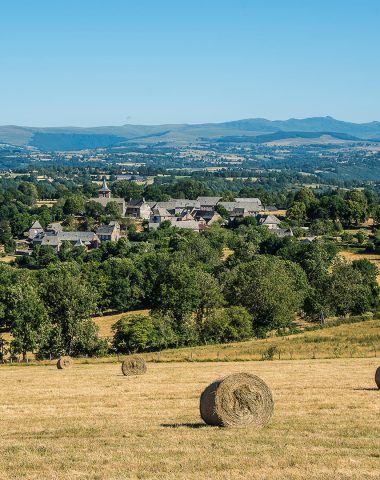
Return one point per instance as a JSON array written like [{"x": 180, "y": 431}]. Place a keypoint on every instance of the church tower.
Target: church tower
[{"x": 104, "y": 192}]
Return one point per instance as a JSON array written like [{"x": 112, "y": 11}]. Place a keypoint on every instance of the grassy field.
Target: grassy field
[
  {"x": 372, "y": 257},
  {"x": 8, "y": 258},
  {"x": 361, "y": 339},
  {"x": 90, "y": 422},
  {"x": 105, "y": 322}
]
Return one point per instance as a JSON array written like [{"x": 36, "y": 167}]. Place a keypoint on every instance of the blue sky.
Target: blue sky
[{"x": 110, "y": 62}]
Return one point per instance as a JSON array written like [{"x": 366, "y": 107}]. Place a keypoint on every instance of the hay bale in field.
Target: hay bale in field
[
  {"x": 237, "y": 400},
  {"x": 377, "y": 377},
  {"x": 64, "y": 362},
  {"x": 133, "y": 366}
]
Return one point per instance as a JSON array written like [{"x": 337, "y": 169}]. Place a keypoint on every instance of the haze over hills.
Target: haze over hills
[{"x": 255, "y": 130}]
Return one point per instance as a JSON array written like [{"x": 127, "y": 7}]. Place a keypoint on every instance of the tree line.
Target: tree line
[{"x": 225, "y": 284}]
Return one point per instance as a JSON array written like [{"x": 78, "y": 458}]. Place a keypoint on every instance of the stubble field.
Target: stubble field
[{"x": 90, "y": 422}]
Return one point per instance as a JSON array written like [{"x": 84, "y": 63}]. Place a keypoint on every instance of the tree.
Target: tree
[
  {"x": 6, "y": 237},
  {"x": 74, "y": 205},
  {"x": 133, "y": 333},
  {"x": 348, "y": 292},
  {"x": 113, "y": 210},
  {"x": 93, "y": 209},
  {"x": 183, "y": 291},
  {"x": 222, "y": 212},
  {"x": 28, "y": 318},
  {"x": 272, "y": 290},
  {"x": 125, "y": 283},
  {"x": 227, "y": 325},
  {"x": 70, "y": 300},
  {"x": 297, "y": 212}
]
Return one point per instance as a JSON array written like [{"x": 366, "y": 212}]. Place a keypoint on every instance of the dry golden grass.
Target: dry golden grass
[
  {"x": 91, "y": 422},
  {"x": 8, "y": 258},
  {"x": 372, "y": 257},
  {"x": 360, "y": 339},
  {"x": 106, "y": 321}
]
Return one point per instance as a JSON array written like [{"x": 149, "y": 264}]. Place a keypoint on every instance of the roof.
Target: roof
[
  {"x": 36, "y": 226},
  {"x": 105, "y": 229},
  {"x": 189, "y": 224},
  {"x": 248, "y": 200},
  {"x": 57, "y": 226},
  {"x": 208, "y": 201},
  {"x": 160, "y": 211},
  {"x": 205, "y": 214},
  {"x": 136, "y": 202},
  {"x": 104, "y": 200},
  {"x": 50, "y": 240},
  {"x": 282, "y": 232},
  {"x": 250, "y": 206},
  {"x": 104, "y": 187},
  {"x": 269, "y": 220},
  {"x": 177, "y": 203}
]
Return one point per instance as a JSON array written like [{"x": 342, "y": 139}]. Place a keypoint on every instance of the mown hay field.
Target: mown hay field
[{"x": 91, "y": 422}]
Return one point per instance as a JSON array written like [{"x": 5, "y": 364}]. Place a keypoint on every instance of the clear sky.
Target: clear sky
[{"x": 110, "y": 62}]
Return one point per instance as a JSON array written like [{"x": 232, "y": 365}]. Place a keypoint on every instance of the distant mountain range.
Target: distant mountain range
[{"x": 254, "y": 130}]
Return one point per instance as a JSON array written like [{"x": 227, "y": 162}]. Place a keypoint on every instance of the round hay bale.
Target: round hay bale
[
  {"x": 133, "y": 366},
  {"x": 64, "y": 362},
  {"x": 377, "y": 377},
  {"x": 237, "y": 400}
]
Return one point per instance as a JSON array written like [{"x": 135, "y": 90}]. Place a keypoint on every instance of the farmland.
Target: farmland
[
  {"x": 90, "y": 422},
  {"x": 359, "y": 339}
]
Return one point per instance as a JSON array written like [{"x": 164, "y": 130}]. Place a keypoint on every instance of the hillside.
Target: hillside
[
  {"x": 75, "y": 138},
  {"x": 359, "y": 339}
]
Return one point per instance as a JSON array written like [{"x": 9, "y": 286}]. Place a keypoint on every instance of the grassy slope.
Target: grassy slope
[
  {"x": 90, "y": 422},
  {"x": 360, "y": 339}
]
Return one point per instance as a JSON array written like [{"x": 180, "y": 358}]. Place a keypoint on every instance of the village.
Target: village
[{"x": 195, "y": 215}]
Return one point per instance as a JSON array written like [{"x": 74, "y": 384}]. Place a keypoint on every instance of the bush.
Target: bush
[{"x": 228, "y": 325}]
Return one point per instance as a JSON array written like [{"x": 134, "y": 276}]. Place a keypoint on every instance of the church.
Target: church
[{"x": 105, "y": 196}]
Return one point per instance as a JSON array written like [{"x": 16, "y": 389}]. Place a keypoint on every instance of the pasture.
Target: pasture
[{"x": 91, "y": 422}]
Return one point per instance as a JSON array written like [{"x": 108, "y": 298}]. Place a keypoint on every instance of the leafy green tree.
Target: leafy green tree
[
  {"x": 347, "y": 292},
  {"x": 29, "y": 323},
  {"x": 125, "y": 283},
  {"x": 133, "y": 333},
  {"x": 227, "y": 325},
  {"x": 112, "y": 209},
  {"x": 272, "y": 290},
  {"x": 74, "y": 205},
  {"x": 222, "y": 212},
  {"x": 297, "y": 212},
  {"x": 69, "y": 300},
  {"x": 305, "y": 196},
  {"x": 93, "y": 209},
  {"x": 183, "y": 291},
  {"x": 6, "y": 237}
]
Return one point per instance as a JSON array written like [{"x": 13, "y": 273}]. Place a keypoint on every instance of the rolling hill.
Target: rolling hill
[{"x": 257, "y": 130}]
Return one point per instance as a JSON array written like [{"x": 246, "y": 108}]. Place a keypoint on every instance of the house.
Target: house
[
  {"x": 54, "y": 227},
  {"x": 252, "y": 204},
  {"x": 109, "y": 233},
  {"x": 282, "y": 232},
  {"x": 138, "y": 208},
  {"x": 105, "y": 197},
  {"x": 242, "y": 208},
  {"x": 208, "y": 203},
  {"x": 34, "y": 230},
  {"x": 159, "y": 215},
  {"x": 209, "y": 216},
  {"x": 270, "y": 221},
  {"x": 55, "y": 240}
]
